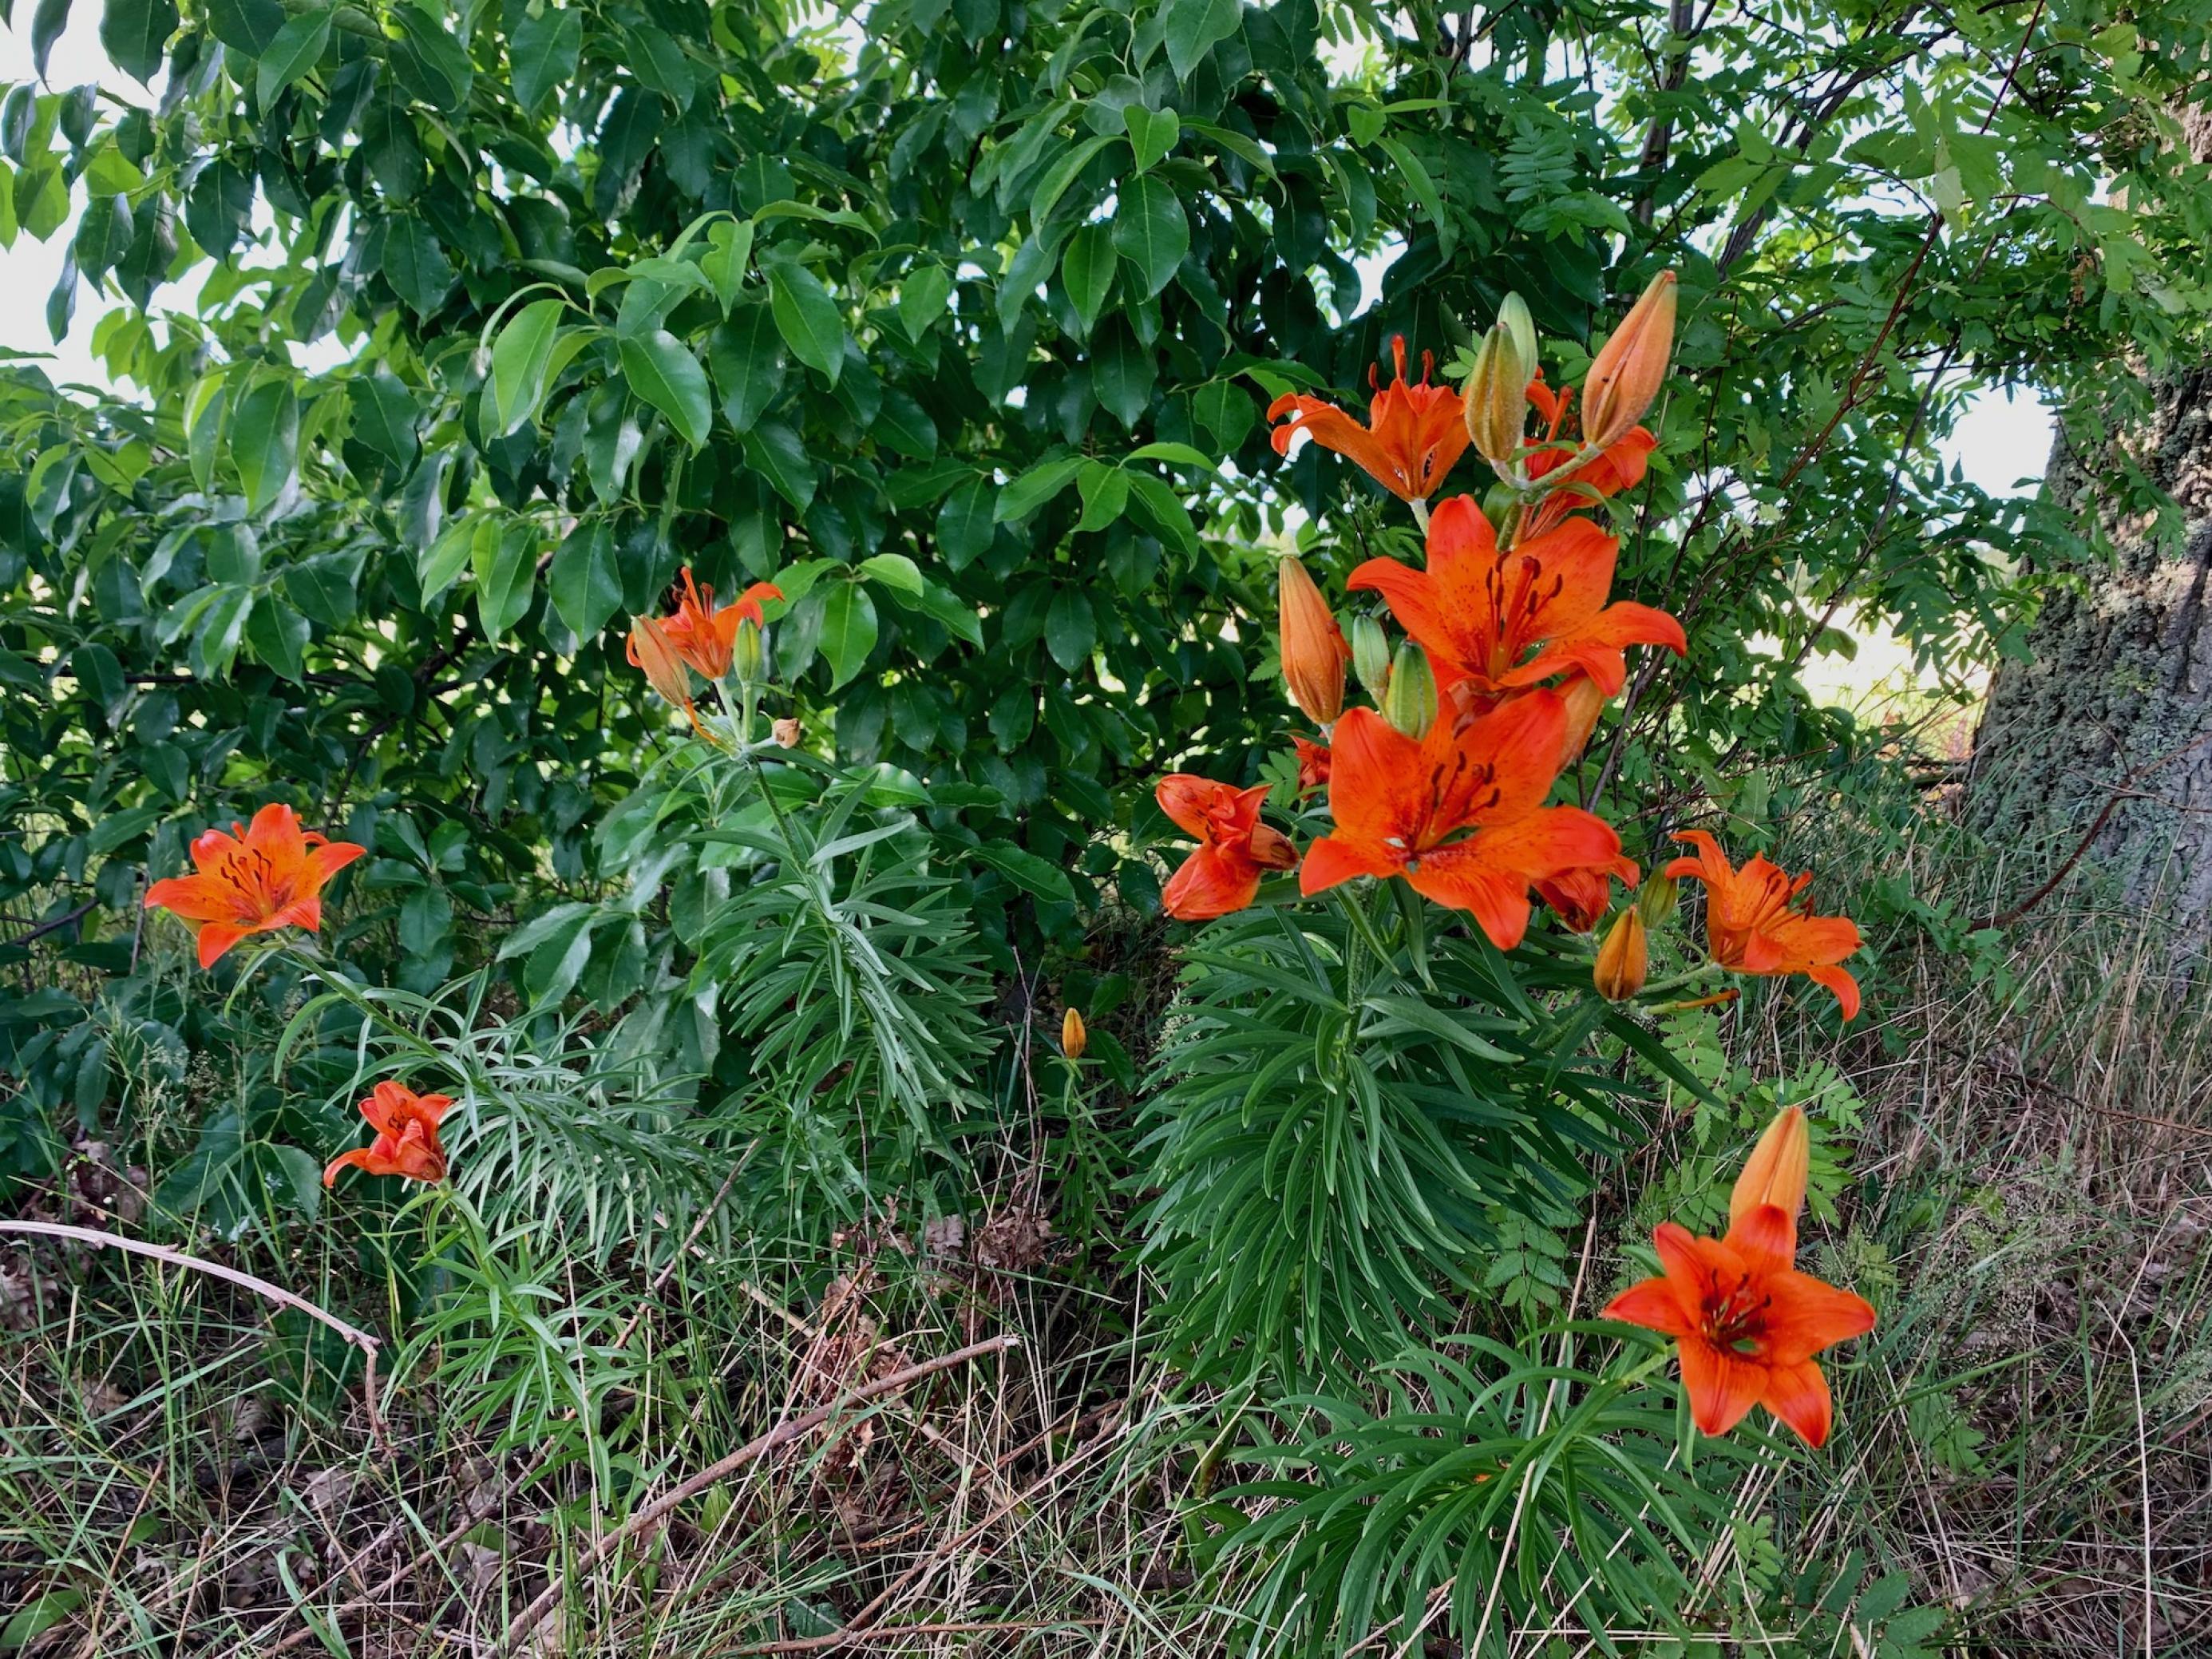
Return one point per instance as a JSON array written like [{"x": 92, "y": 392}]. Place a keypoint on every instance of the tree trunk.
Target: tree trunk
[
  {"x": 2113, "y": 706},
  {"x": 2118, "y": 689}
]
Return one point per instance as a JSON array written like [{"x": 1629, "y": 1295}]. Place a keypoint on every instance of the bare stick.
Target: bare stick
[
  {"x": 260, "y": 1287},
  {"x": 532, "y": 1616}
]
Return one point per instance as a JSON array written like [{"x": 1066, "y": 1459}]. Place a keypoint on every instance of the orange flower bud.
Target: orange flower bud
[
  {"x": 1314, "y": 650},
  {"x": 1627, "y": 374},
  {"x": 1074, "y": 1037},
  {"x": 1623, "y": 960},
  {"x": 1775, "y": 1172},
  {"x": 1585, "y": 702}
]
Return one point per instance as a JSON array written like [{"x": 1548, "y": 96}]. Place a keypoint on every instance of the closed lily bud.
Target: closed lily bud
[
  {"x": 1410, "y": 704},
  {"x": 1513, "y": 317},
  {"x": 1623, "y": 960},
  {"x": 1585, "y": 702},
  {"x": 1775, "y": 1173},
  {"x": 1497, "y": 399},
  {"x": 1626, "y": 376},
  {"x": 1313, "y": 647},
  {"x": 1656, "y": 901},
  {"x": 1074, "y": 1037},
  {"x": 747, "y": 659},
  {"x": 1370, "y": 656}
]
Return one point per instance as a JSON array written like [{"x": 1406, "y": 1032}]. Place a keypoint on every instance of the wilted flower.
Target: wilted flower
[
  {"x": 406, "y": 1143},
  {"x": 253, "y": 880},
  {"x": 786, "y": 731}
]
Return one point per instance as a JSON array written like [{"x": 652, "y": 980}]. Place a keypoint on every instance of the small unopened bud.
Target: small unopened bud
[
  {"x": 747, "y": 659},
  {"x": 1410, "y": 704},
  {"x": 1626, "y": 376},
  {"x": 1073, "y": 1036},
  {"x": 1370, "y": 656},
  {"x": 1656, "y": 901},
  {"x": 1313, "y": 647},
  {"x": 1623, "y": 960},
  {"x": 1497, "y": 395},
  {"x": 786, "y": 731},
  {"x": 1585, "y": 702}
]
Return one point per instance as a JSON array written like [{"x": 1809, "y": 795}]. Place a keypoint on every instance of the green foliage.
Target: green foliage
[{"x": 1353, "y": 1117}]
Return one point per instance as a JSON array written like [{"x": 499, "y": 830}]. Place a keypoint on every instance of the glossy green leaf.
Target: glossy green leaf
[
  {"x": 547, "y": 44},
  {"x": 264, "y": 440},
  {"x": 297, "y": 49},
  {"x": 1151, "y": 232},
  {"x": 521, "y": 357},
  {"x": 848, "y": 630},
  {"x": 807, "y": 318},
  {"x": 1087, "y": 267},
  {"x": 662, "y": 371},
  {"x": 133, "y": 33},
  {"x": 585, "y": 580}
]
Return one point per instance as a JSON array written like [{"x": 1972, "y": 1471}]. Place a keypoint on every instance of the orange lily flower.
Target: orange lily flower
[
  {"x": 1583, "y": 896},
  {"x": 1313, "y": 764},
  {"x": 1414, "y": 435},
  {"x": 1479, "y": 612},
  {"x": 1460, "y": 814},
  {"x": 406, "y": 1143},
  {"x": 1747, "y": 1321},
  {"x": 1233, "y": 846},
  {"x": 705, "y": 637},
  {"x": 1757, "y": 922},
  {"x": 253, "y": 880},
  {"x": 1618, "y": 468}
]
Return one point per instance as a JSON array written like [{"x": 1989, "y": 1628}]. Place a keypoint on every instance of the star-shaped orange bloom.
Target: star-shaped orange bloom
[
  {"x": 1460, "y": 814},
  {"x": 1502, "y": 620},
  {"x": 1747, "y": 1322},
  {"x": 406, "y": 1143},
  {"x": 1413, "y": 435},
  {"x": 253, "y": 880},
  {"x": 1234, "y": 847},
  {"x": 1758, "y": 921},
  {"x": 703, "y": 636}
]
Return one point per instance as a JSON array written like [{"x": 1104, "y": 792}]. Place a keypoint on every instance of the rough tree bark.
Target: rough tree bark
[{"x": 2118, "y": 682}]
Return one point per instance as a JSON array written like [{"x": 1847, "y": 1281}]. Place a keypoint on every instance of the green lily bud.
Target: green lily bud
[
  {"x": 1496, "y": 393},
  {"x": 1410, "y": 704},
  {"x": 1370, "y": 656},
  {"x": 1656, "y": 901},
  {"x": 747, "y": 658}
]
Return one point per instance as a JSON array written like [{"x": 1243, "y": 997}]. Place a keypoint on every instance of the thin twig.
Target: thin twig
[
  {"x": 53, "y": 927},
  {"x": 532, "y": 1616},
  {"x": 260, "y": 1287}
]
